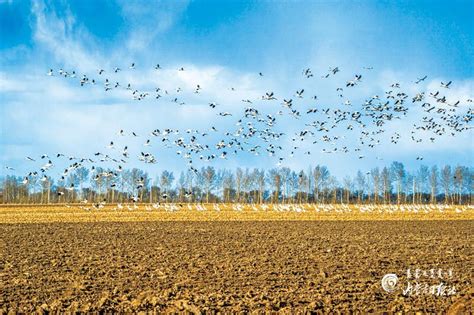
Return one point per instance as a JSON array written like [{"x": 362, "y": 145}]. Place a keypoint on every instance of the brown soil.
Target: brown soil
[{"x": 230, "y": 266}]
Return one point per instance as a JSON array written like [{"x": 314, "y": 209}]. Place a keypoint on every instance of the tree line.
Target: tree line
[{"x": 387, "y": 185}]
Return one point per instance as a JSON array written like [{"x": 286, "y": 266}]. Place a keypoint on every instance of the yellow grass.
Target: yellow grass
[{"x": 110, "y": 213}]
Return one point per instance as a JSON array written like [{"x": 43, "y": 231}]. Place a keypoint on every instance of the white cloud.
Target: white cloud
[{"x": 10, "y": 85}]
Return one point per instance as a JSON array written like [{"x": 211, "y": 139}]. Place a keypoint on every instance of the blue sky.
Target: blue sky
[{"x": 223, "y": 43}]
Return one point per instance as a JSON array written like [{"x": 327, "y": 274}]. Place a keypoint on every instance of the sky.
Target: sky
[{"x": 222, "y": 44}]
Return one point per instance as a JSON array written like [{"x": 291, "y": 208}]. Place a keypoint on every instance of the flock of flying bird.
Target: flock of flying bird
[{"x": 256, "y": 131}]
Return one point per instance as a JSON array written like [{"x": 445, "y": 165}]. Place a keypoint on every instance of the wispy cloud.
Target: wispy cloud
[
  {"x": 147, "y": 20},
  {"x": 64, "y": 39}
]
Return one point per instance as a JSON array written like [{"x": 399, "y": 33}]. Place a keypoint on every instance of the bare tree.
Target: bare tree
[
  {"x": 166, "y": 180},
  {"x": 347, "y": 181},
  {"x": 82, "y": 176},
  {"x": 434, "y": 176},
  {"x": 386, "y": 184},
  {"x": 446, "y": 180},
  {"x": 274, "y": 178},
  {"x": 360, "y": 179},
  {"x": 458, "y": 180},
  {"x": 228, "y": 183},
  {"x": 239, "y": 174},
  {"x": 260, "y": 184},
  {"x": 209, "y": 175},
  {"x": 422, "y": 179},
  {"x": 302, "y": 185},
  {"x": 398, "y": 170}
]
